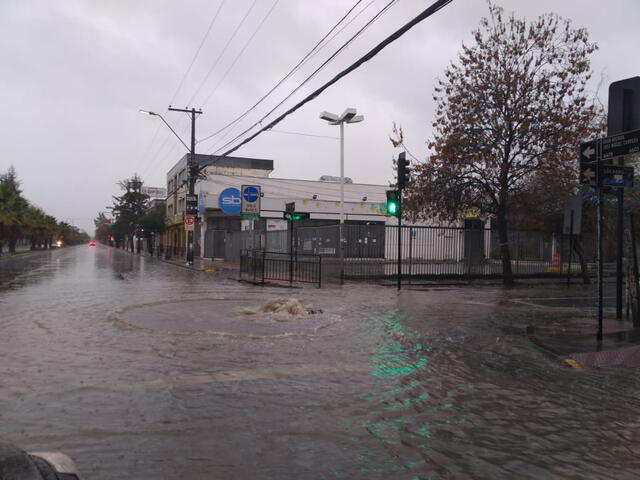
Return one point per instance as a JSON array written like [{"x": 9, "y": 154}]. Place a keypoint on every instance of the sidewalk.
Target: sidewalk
[
  {"x": 203, "y": 264},
  {"x": 574, "y": 341},
  {"x": 200, "y": 264}
]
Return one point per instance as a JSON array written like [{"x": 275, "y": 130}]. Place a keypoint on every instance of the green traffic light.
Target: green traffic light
[{"x": 392, "y": 208}]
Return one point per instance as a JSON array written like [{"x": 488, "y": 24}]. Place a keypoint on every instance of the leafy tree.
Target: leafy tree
[
  {"x": 103, "y": 228},
  {"x": 153, "y": 223},
  {"x": 13, "y": 209},
  {"x": 128, "y": 209},
  {"x": 512, "y": 109}
]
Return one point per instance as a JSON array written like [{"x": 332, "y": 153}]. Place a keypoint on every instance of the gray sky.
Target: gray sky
[{"x": 73, "y": 74}]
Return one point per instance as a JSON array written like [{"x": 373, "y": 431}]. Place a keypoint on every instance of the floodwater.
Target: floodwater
[{"x": 141, "y": 369}]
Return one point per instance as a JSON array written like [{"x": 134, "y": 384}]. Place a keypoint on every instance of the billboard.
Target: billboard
[{"x": 154, "y": 192}]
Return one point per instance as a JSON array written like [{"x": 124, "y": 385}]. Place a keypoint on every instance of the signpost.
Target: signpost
[{"x": 596, "y": 174}]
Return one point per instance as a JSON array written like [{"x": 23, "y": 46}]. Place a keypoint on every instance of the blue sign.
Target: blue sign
[
  {"x": 250, "y": 194},
  {"x": 229, "y": 201},
  {"x": 201, "y": 202}
]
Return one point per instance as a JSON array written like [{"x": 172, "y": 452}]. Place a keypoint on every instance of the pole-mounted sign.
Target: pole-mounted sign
[{"x": 250, "y": 199}]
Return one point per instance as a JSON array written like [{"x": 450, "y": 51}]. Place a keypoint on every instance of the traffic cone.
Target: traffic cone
[{"x": 555, "y": 263}]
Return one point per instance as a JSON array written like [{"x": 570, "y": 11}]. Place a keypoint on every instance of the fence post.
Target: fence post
[{"x": 319, "y": 271}]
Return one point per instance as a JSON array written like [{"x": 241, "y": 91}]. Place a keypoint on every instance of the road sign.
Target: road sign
[
  {"x": 616, "y": 176},
  {"x": 250, "y": 199},
  {"x": 572, "y": 215},
  {"x": 229, "y": 201},
  {"x": 627, "y": 143},
  {"x": 189, "y": 223},
  {"x": 588, "y": 173},
  {"x": 588, "y": 151}
]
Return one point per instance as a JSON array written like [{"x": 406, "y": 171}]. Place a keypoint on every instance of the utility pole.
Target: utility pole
[{"x": 192, "y": 171}]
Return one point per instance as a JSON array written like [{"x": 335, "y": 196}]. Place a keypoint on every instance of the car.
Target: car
[
  {"x": 92, "y": 244},
  {"x": 15, "y": 463}
]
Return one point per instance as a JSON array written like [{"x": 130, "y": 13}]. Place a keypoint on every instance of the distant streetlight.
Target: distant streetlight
[{"x": 348, "y": 116}]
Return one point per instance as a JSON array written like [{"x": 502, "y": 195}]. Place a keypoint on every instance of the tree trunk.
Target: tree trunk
[
  {"x": 507, "y": 274},
  {"x": 12, "y": 245}
]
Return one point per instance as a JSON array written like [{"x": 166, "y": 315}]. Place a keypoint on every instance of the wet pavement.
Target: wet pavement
[{"x": 141, "y": 369}]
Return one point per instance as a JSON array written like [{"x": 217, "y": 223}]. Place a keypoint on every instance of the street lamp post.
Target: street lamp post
[
  {"x": 348, "y": 116},
  {"x": 192, "y": 166}
]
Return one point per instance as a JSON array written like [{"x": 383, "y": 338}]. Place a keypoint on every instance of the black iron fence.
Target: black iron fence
[
  {"x": 429, "y": 252},
  {"x": 259, "y": 265}
]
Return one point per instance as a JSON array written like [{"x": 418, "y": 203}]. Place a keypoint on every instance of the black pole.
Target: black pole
[
  {"x": 636, "y": 316},
  {"x": 291, "y": 252},
  {"x": 619, "y": 249},
  {"x": 599, "y": 235},
  {"x": 399, "y": 238}
]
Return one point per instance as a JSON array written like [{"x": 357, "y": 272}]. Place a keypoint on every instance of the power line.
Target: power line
[
  {"x": 315, "y": 72},
  {"x": 293, "y": 70},
  {"x": 304, "y": 134},
  {"x": 324, "y": 64},
  {"x": 435, "y": 7},
  {"x": 235, "y": 32},
  {"x": 175, "y": 94},
  {"x": 255, "y": 32}
]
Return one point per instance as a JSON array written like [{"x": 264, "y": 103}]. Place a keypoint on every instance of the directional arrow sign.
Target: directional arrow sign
[
  {"x": 588, "y": 173},
  {"x": 588, "y": 151}
]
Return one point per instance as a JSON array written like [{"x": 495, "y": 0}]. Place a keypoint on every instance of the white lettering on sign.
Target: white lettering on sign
[{"x": 231, "y": 200}]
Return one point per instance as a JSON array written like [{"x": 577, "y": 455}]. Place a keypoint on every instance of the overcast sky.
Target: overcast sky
[{"x": 73, "y": 74}]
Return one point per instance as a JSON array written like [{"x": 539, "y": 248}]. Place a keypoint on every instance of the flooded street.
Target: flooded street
[{"x": 142, "y": 369}]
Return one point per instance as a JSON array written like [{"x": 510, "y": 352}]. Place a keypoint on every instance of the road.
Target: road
[{"x": 142, "y": 369}]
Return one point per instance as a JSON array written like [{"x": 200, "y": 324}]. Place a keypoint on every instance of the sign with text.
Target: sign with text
[{"x": 250, "y": 199}]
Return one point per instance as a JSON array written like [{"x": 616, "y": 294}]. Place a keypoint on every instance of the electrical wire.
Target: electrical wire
[
  {"x": 175, "y": 94},
  {"x": 215, "y": 63},
  {"x": 304, "y": 134},
  {"x": 435, "y": 7},
  {"x": 315, "y": 72},
  {"x": 255, "y": 32},
  {"x": 304, "y": 59}
]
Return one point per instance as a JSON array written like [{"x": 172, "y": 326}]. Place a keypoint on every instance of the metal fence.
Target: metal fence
[
  {"x": 259, "y": 265},
  {"x": 371, "y": 251}
]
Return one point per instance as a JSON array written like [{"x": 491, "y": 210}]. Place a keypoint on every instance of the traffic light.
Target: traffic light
[
  {"x": 403, "y": 170},
  {"x": 393, "y": 203},
  {"x": 296, "y": 216},
  {"x": 290, "y": 207}
]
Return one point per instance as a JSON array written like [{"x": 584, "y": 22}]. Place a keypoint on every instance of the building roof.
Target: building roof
[
  {"x": 218, "y": 161},
  {"x": 292, "y": 189}
]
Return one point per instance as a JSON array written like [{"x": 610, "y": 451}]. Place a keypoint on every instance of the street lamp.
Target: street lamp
[
  {"x": 348, "y": 116},
  {"x": 192, "y": 168}
]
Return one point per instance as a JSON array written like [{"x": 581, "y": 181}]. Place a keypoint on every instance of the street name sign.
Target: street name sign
[
  {"x": 609, "y": 175},
  {"x": 616, "y": 176},
  {"x": 250, "y": 199},
  {"x": 627, "y": 143}
]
